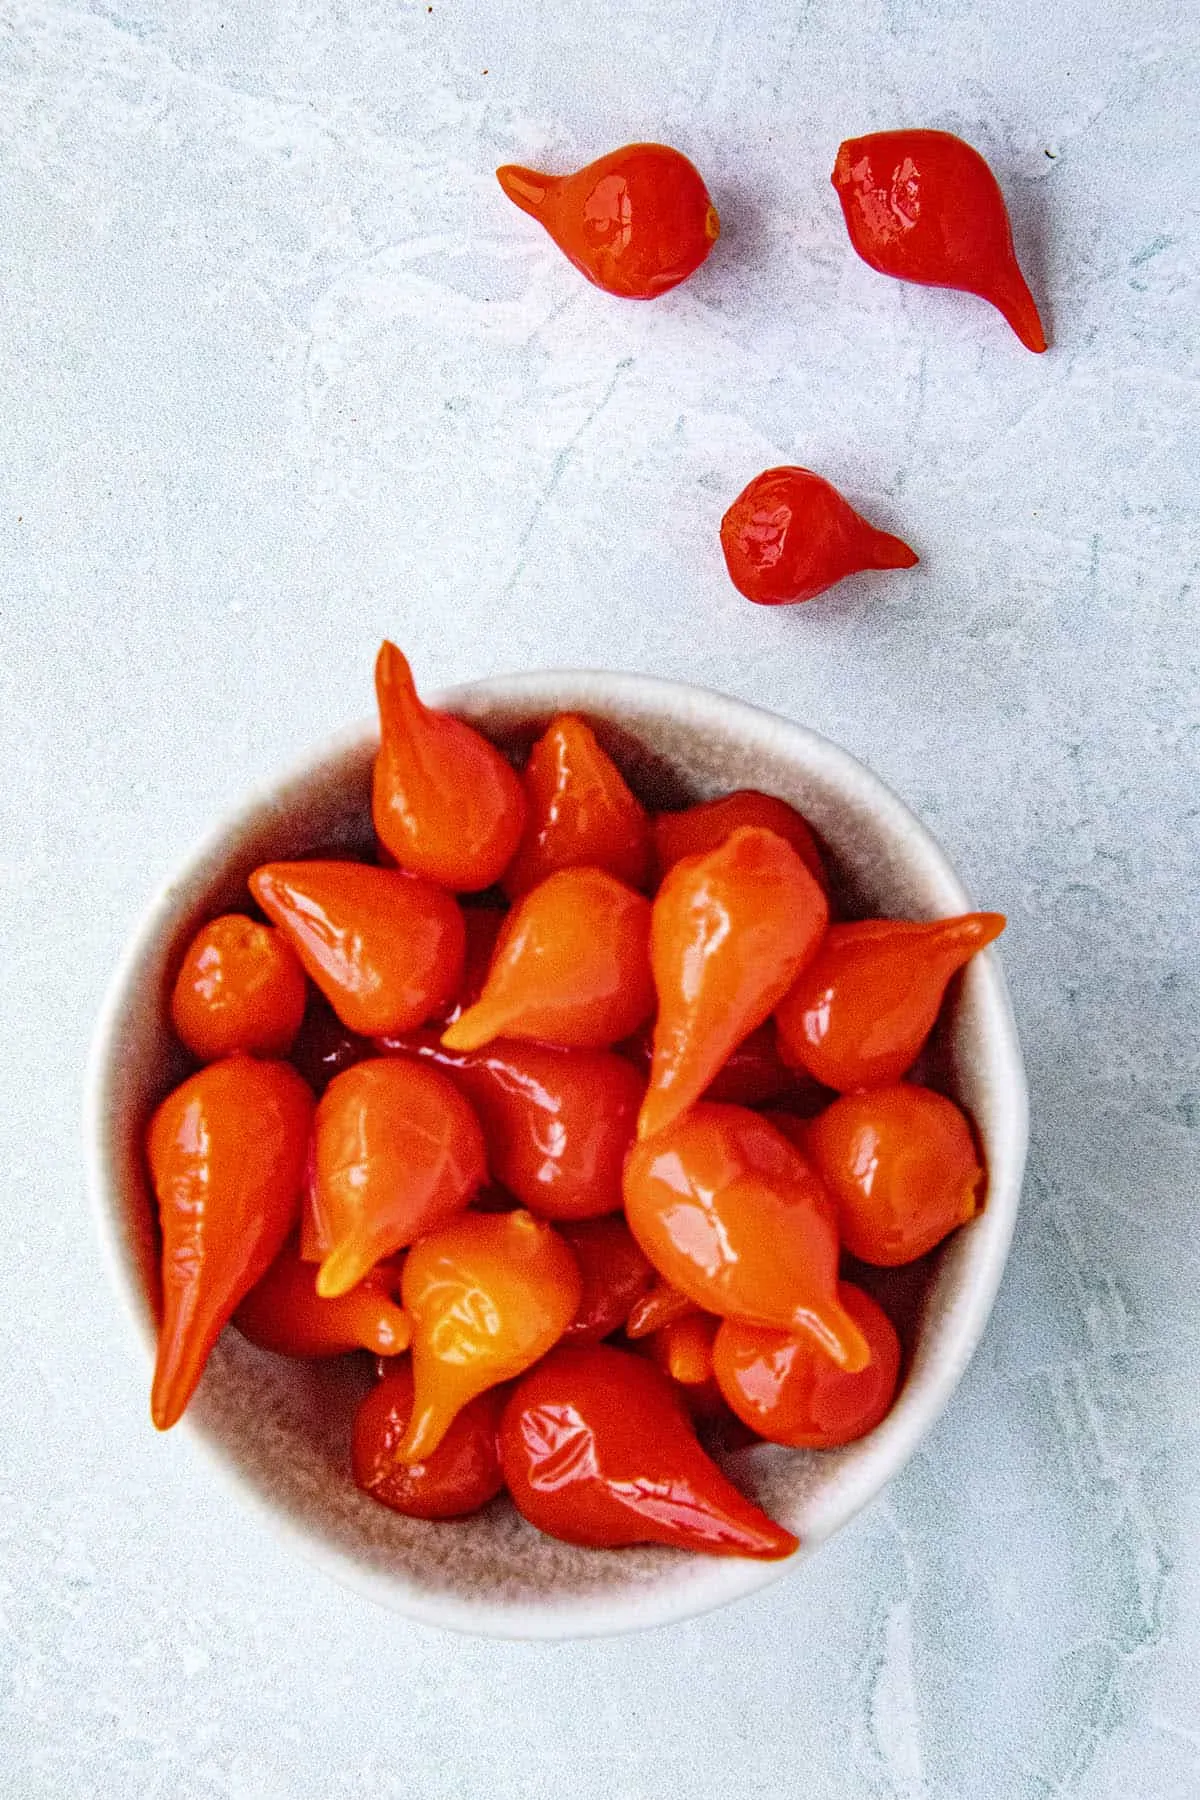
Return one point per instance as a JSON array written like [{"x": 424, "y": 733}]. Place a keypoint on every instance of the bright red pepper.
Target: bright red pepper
[
  {"x": 457, "y": 1478},
  {"x": 863, "y": 1007},
  {"x": 445, "y": 802},
  {"x": 790, "y": 535},
  {"x": 557, "y": 1122},
  {"x": 789, "y": 1393},
  {"x": 902, "y": 1166},
  {"x": 227, "y": 1151},
  {"x": 614, "y": 1272},
  {"x": 730, "y": 932},
  {"x": 398, "y": 1153},
  {"x": 240, "y": 987},
  {"x": 284, "y": 1312},
  {"x": 488, "y": 1294},
  {"x": 636, "y": 222},
  {"x": 705, "y": 826},
  {"x": 733, "y": 1216},
  {"x": 925, "y": 207},
  {"x": 597, "y": 1448},
  {"x": 385, "y": 948},
  {"x": 579, "y": 812},
  {"x": 572, "y": 967}
]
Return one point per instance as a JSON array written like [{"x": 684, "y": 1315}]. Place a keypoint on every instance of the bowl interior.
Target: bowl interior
[{"x": 281, "y": 1429}]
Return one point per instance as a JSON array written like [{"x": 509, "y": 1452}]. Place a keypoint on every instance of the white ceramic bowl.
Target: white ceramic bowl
[{"x": 279, "y": 1430}]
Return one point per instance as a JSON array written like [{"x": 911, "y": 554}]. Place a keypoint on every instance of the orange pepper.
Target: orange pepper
[
  {"x": 863, "y": 1007},
  {"x": 284, "y": 1313},
  {"x": 705, "y": 826},
  {"x": 445, "y": 802},
  {"x": 240, "y": 987},
  {"x": 615, "y": 1275},
  {"x": 557, "y": 1122},
  {"x": 398, "y": 1152},
  {"x": 684, "y": 1348},
  {"x": 226, "y": 1152},
  {"x": 386, "y": 949},
  {"x": 488, "y": 1294},
  {"x": 901, "y": 1164},
  {"x": 636, "y": 222},
  {"x": 457, "y": 1478},
  {"x": 572, "y": 967},
  {"x": 597, "y": 1448},
  {"x": 578, "y": 812},
  {"x": 733, "y": 1216},
  {"x": 789, "y": 1393},
  {"x": 731, "y": 931}
]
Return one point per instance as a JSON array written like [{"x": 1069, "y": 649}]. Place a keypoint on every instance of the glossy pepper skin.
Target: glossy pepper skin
[
  {"x": 705, "y": 826},
  {"x": 386, "y": 949},
  {"x": 445, "y": 803},
  {"x": 558, "y": 1123},
  {"x": 734, "y": 1218},
  {"x": 284, "y": 1313},
  {"x": 636, "y": 222},
  {"x": 398, "y": 1152},
  {"x": 579, "y": 812},
  {"x": 785, "y": 1390},
  {"x": 751, "y": 1075},
  {"x": 663, "y": 1305},
  {"x": 488, "y": 1294},
  {"x": 457, "y": 1478},
  {"x": 731, "y": 930},
  {"x": 240, "y": 987},
  {"x": 901, "y": 1164},
  {"x": 226, "y": 1151},
  {"x": 790, "y": 535},
  {"x": 614, "y": 1272},
  {"x": 861, "y": 1010},
  {"x": 572, "y": 967},
  {"x": 597, "y": 1448},
  {"x": 925, "y": 207}
]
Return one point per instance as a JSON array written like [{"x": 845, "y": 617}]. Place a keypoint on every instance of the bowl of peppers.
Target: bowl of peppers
[{"x": 560, "y": 1144}]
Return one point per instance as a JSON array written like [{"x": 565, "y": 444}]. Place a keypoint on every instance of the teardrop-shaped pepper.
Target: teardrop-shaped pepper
[
  {"x": 488, "y": 1294},
  {"x": 636, "y": 222},
  {"x": 614, "y": 1272},
  {"x": 731, "y": 930},
  {"x": 457, "y": 1478},
  {"x": 398, "y": 1152},
  {"x": 579, "y": 812},
  {"x": 240, "y": 987},
  {"x": 789, "y": 535},
  {"x": 284, "y": 1313},
  {"x": 705, "y": 826},
  {"x": 444, "y": 801},
  {"x": 924, "y": 206},
  {"x": 557, "y": 1122},
  {"x": 901, "y": 1164},
  {"x": 386, "y": 949},
  {"x": 860, "y": 1011},
  {"x": 226, "y": 1151},
  {"x": 572, "y": 967},
  {"x": 733, "y": 1216},
  {"x": 597, "y": 1448},
  {"x": 783, "y": 1388}
]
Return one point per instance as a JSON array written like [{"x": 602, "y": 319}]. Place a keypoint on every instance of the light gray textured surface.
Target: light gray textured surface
[{"x": 281, "y": 371}]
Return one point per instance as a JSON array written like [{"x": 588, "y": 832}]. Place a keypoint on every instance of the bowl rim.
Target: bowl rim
[{"x": 882, "y": 1455}]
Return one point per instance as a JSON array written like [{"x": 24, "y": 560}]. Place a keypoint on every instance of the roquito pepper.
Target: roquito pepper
[
  {"x": 284, "y": 1312},
  {"x": 578, "y": 811},
  {"x": 925, "y": 207},
  {"x": 790, "y": 535}
]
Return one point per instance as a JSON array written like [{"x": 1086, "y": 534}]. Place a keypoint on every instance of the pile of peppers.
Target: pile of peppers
[{"x": 572, "y": 1117}]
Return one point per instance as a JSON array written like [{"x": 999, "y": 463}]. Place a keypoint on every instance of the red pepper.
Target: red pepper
[
  {"x": 240, "y": 987},
  {"x": 658, "y": 1308},
  {"x": 925, "y": 207},
  {"x": 578, "y": 811},
  {"x": 284, "y": 1312},
  {"x": 790, "y": 535},
  {"x": 705, "y": 826},
  {"x": 227, "y": 1151},
  {"x": 636, "y": 222},
  {"x": 597, "y": 1448},
  {"x": 614, "y": 1272},
  {"x": 457, "y": 1478}
]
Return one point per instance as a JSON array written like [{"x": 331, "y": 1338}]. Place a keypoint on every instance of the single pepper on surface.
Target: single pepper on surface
[
  {"x": 579, "y": 812},
  {"x": 283, "y": 1312},
  {"x": 227, "y": 1151},
  {"x": 790, "y": 535},
  {"x": 861, "y": 1010},
  {"x": 925, "y": 207},
  {"x": 597, "y": 1448},
  {"x": 240, "y": 987},
  {"x": 636, "y": 222}
]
